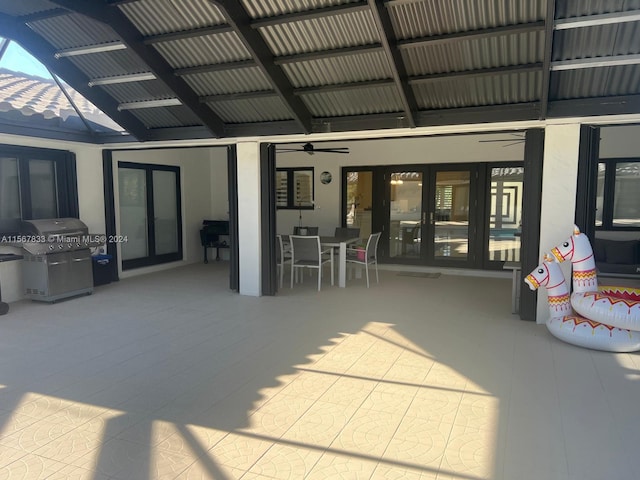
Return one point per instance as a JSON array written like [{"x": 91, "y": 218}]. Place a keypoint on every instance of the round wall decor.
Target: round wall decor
[{"x": 325, "y": 177}]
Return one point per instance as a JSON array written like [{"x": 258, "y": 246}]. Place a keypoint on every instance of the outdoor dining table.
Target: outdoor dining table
[{"x": 340, "y": 243}]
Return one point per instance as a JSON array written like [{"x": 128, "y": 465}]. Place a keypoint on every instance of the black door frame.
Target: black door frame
[
  {"x": 381, "y": 189},
  {"x": 152, "y": 258}
]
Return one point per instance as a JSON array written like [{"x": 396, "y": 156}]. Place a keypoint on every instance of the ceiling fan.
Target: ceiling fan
[
  {"x": 310, "y": 149},
  {"x": 516, "y": 138}
]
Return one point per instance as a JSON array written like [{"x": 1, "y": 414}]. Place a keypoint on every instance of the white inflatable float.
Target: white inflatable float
[
  {"x": 615, "y": 306},
  {"x": 564, "y": 324}
]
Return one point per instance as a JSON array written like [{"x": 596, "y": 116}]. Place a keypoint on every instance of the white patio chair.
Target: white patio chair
[
  {"x": 282, "y": 257},
  {"x": 366, "y": 257},
  {"x": 306, "y": 252}
]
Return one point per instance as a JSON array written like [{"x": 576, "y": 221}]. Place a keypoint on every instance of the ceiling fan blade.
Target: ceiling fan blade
[
  {"x": 332, "y": 150},
  {"x": 310, "y": 149},
  {"x": 501, "y": 140}
]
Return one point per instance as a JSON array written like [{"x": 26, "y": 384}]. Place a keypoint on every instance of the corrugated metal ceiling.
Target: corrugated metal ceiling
[
  {"x": 415, "y": 19},
  {"x": 303, "y": 63}
]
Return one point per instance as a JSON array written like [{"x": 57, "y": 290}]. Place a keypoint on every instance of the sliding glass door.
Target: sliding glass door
[{"x": 150, "y": 214}]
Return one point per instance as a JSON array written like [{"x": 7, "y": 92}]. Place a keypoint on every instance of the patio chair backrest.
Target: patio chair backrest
[
  {"x": 279, "y": 249},
  {"x": 347, "y": 232},
  {"x": 372, "y": 246},
  {"x": 305, "y": 248}
]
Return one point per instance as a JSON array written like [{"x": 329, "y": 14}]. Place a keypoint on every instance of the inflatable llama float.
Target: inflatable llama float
[{"x": 606, "y": 318}]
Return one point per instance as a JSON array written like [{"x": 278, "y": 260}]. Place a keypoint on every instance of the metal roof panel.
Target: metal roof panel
[
  {"x": 154, "y": 17},
  {"x": 575, "y": 8},
  {"x": 499, "y": 51},
  {"x": 339, "y": 69},
  {"x": 206, "y": 50},
  {"x": 272, "y": 8},
  {"x": 595, "y": 82},
  {"x": 138, "y": 91},
  {"x": 383, "y": 99},
  {"x": 228, "y": 81},
  {"x": 349, "y": 29},
  {"x": 166, "y": 117},
  {"x": 597, "y": 41},
  {"x": 269, "y": 109},
  {"x": 414, "y": 19},
  {"x": 108, "y": 64},
  {"x": 74, "y": 30},
  {"x": 26, "y": 7},
  {"x": 479, "y": 91}
]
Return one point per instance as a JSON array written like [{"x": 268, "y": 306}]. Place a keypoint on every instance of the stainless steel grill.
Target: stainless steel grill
[{"x": 57, "y": 262}]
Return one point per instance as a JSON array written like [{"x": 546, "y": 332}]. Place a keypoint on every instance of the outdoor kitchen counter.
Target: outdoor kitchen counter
[{"x": 10, "y": 279}]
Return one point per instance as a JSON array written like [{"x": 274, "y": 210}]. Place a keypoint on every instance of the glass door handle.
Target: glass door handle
[{"x": 424, "y": 218}]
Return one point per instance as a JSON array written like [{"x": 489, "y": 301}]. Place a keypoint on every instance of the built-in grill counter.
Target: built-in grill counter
[{"x": 57, "y": 260}]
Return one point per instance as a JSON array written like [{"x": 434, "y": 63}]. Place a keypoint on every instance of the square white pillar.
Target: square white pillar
[
  {"x": 559, "y": 174},
  {"x": 249, "y": 220}
]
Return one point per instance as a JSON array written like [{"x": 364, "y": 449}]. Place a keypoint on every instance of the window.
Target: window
[
  {"x": 618, "y": 194},
  {"x": 35, "y": 183},
  {"x": 294, "y": 188}
]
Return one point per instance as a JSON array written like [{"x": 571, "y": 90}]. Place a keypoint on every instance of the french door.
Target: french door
[
  {"x": 465, "y": 215},
  {"x": 430, "y": 215},
  {"x": 150, "y": 214}
]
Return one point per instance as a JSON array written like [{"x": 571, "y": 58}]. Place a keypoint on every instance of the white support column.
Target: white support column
[
  {"x": 249, "y": 221},
  {"x": 560, "y": 170}
]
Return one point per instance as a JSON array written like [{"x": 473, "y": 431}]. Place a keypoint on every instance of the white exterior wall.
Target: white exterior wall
[
  {"x": 249, "y": 221},
  {"x": 200, "y": 170},
  {"x": 204, "y": 177},
  {"x": 90, "y": 199},
  {"x": 397, "y": 151},
  {"x": 560, "y": 170}
]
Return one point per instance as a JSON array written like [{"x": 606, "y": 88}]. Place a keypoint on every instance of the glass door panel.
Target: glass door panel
[
  {"x": 451, "y": 215},
  {"x": 150, "y": 214},
  {"x": 626, "y": 199},
  {"x": 359, "y": 196},
  {"x": 133, "y": 212},
  {"x": 165, "y": 210},
  {"x": 505, "y": 214},
  {"x": 405, "y": 214}
]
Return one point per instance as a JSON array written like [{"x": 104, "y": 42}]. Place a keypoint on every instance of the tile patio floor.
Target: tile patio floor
[{"x": 172, "y": 376}]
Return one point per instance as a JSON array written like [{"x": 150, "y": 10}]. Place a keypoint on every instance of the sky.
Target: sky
[{"x": 19, "y": 60}]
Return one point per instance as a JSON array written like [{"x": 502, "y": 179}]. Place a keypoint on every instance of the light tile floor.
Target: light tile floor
[{"x": 172, "y": 376}]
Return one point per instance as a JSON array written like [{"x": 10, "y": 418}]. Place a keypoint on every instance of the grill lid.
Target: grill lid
[
  {"x": 54, "y": 227},
  {"x": 53, "y": 235}
]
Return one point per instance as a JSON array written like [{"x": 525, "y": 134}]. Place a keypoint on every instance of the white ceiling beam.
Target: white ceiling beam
[
  {"x": 136, "y": 77},
  {"x": 610, "y": 61},
  {"x": 165, "y": 102},
  {"x": 90, "y": 49},
  {"x": 595, "y": 20}
]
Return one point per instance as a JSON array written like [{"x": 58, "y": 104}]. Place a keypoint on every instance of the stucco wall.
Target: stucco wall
[
  {"x": 204, "y": 192},
  {"x": 423, "y": 150},
  {"x": 90, "y": 199}
]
